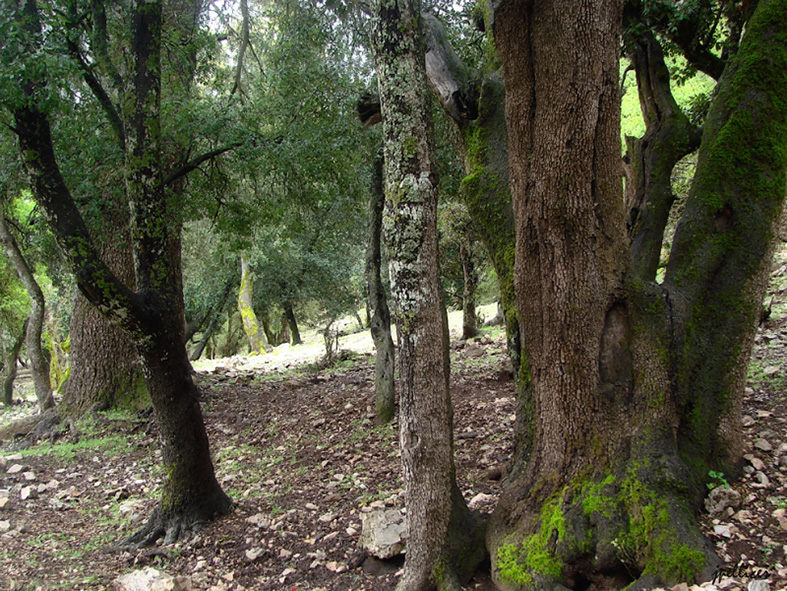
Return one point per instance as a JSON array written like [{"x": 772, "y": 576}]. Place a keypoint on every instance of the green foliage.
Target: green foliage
[{"x": 717, "y": 479}]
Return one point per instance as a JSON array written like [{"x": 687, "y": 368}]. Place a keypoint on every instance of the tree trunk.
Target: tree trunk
[
  {"x": 469, "y": 318},
  {"x": 477, "y": 107},
  {"x": 436, "y": 513},
  {"x": 211, "y": 328},
  {"x": 106, "y": 371},
  {"x": 258, "y": 343},
  {"x": 650, "y": 159},
  {"x": 380, "y": 323},
  {"x": 637, "y": 387},
  {"x": 9, "y": 365},
  {"x": 39, "y": 366},
  {"x": 295, "y": 334},
  {"x": 191, "y": 494}
]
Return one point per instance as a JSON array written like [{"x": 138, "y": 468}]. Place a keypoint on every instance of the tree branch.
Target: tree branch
[{"x": 193, "y": 164}]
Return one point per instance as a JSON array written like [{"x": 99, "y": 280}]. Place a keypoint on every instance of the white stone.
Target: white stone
[
  {"x": 15, "y": 469},
  {"x": 759, "y": 585},
  {"x": 150, "y": 579},
  {"x": 383, "y": 533}
]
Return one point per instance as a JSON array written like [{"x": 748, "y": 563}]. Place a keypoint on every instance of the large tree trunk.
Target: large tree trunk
[
  {"x": 380, "y": 323},
  {"x": 436, "y": 513},
  {"x": 10, "y": 357},
  {"x": 636, "y": 386},
  {"x": 39, "y": 365},
  {"x": 106, "y": 371}
]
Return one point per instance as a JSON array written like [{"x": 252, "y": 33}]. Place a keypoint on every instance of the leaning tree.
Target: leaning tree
[
  {"x": 637, "y": 385},
  {"x": 152, "y": 314}
]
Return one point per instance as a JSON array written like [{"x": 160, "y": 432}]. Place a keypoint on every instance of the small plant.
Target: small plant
[{"x": 717, "y": 479}]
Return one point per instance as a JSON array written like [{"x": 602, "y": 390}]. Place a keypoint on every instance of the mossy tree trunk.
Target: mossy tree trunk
[
  {"x": 380, "y": 315},
  {"x": 39, "y": 365},
  {"x": 438, "y": 520},
  {"x": 152, "y": 315},
  {"x": 636, "y": 386},
  {"x": 258, "y": 342}
]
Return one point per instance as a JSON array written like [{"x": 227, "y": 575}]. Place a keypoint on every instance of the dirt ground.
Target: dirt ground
[{"x": 299, "y": 452}]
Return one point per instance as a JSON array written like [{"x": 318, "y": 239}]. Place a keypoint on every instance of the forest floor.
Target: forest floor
[{"x": 298, "y": 450}]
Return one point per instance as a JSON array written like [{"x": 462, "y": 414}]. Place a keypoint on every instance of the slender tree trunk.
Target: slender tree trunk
[
  {"x": 295, "y": 334},
  {"x": 209, "y": 331},
  {"x": 435, "y": 509},
  {"x": 258, "y": 343},
  {"x": 9, "y": 365},
  {"x": 650, "y": 159},
  {"x": 39, "y": 365},
  {"x": 469, "y": 318},
  {"x": 380, "y": 323}
]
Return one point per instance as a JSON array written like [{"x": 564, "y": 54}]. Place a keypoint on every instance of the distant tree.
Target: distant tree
[{"x": 39, "y": 364}]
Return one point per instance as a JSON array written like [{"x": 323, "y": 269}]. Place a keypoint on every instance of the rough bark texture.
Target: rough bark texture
[
  {"x": 39, "y": 365},
  {"x": 635, "y": 385},
  {"x": 258, "y": 342},
  {"x": 153, "y": 315},
  {"x": 380, "y": 315},
  {"x": 721, "y": 254},
  {"x": 435, "y": 551},
  {"x": 105, "y": 369}
]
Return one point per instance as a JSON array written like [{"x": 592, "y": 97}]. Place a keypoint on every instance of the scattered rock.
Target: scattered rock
[
  {"x": 759, "y": 585},
  {"x": 762, "y": 479},
  {"x": 261, "y": 520},
  {"x": 722, "y": 530},
  {"x": 747, "y": 421},
  {"x": 720, "y": 498},
  {"x": 5, "y": 525},
  {"x": 763, "y": 445},
  {"x": 15, "y": 469},
  {"x": 383, "y": 533},
  {"x": 253, "y": 554},
  {"x": 150, "y": 579},
  {"x": 755, "y": 461},
  {"x": 480, "y": 500}
]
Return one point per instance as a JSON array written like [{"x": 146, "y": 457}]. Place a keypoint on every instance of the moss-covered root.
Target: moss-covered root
[{"x": 615, "y": 531}]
